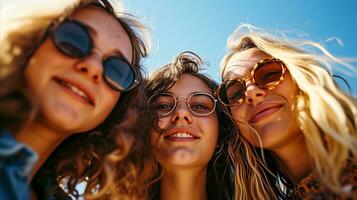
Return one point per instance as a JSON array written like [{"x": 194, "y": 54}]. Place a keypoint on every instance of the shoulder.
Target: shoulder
[
  {"x": 15, "y": 154},
  {"x": 311, "y": 187},
  {"x": 16, "y": 162}
]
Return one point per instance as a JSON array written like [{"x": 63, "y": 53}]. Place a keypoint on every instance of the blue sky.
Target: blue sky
[{"x": 203, "y": 26}]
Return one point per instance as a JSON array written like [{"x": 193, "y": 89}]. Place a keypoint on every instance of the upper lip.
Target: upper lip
[
  {"x": 80, "y": 86},
  {"x": 180, "y": 130},
  {"x": 260, "y": 108}
]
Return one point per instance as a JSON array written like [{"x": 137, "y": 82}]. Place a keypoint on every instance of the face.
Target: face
[
  {"x": 268, "y": 114},
  {"x": 187, "y": 140},
  {"x": 72, "y": 93}
]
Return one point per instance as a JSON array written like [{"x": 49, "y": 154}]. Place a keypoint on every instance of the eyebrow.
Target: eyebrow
[
  {"x": 90, "y": 29},
  {"x": 116, "y": 52},
  {"x": 195, "y": 92},
  {"x": 231, "y": 75}
]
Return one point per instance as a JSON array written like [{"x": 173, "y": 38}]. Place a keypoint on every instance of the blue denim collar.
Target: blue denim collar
[{"x": 17, "y": 153}]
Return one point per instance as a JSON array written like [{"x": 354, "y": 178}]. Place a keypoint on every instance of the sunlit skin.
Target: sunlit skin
[
  {"x": 184, "y": 163},
  {"x": 61, "y": 111},
  {"x": 276, "y": 124}
]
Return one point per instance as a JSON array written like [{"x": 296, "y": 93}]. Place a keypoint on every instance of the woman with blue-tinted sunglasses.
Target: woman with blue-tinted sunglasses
[{"x": 70, "y": 100}]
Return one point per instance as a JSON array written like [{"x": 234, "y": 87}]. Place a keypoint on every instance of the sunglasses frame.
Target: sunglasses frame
[
  {"x": 176, "y": 98},
  {"x": 85, "y": 29},
  {"x": 251, "y": 77}
]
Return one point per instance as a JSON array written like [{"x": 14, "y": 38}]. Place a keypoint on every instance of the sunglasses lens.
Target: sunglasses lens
[
  {"x": 162, "y": 104},
  {"x": 118, "y": 73},
  {"x": 268, "y": 74},
  {"x": 72, "y": 39},
  {"x": 201, "y": 104},
  {"x": 234, "y": 92}
]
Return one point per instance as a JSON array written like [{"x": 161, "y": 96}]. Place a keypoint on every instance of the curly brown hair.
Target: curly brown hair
[
  {"x": 219, "y": 183},
  {"x": 111, "y": 157}
]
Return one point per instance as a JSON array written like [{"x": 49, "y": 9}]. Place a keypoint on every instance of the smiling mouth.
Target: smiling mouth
[
  {"x": 264, "y": 113},
  {"x": 180, "y": 137},
  {"x": 75, "y": 91}
]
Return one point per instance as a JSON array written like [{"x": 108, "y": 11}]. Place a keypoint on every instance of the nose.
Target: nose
[
  {"x": 253, "y": 93},
  {"x": 91, "y": 66},
  {"x": 181, "y": 114}
]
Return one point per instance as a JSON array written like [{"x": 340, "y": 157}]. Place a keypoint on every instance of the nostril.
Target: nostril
[
  {"x": 95, "y": 77},
  {"x": 83, "y": 69}
]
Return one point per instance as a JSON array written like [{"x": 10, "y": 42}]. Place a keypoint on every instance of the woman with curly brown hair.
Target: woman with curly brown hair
[
  {"x": 70, "y": 96},
  {"x": 189, "y": 132}
]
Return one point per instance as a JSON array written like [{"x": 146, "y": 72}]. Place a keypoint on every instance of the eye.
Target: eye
[
  {"x": 199, "y": 106},
  {"x": 235, "y": 90},
  {"x": 164, "y": 106},
  {"x": 270, "y": 76},
  {"x": 236, "y": 95}
]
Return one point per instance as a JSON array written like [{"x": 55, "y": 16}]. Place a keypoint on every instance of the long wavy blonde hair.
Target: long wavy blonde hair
[
  {"x": 326, "y": 115},
  {"x": 111, "y": 159}
]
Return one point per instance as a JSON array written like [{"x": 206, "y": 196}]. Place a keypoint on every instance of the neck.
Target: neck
[
  {"x": 184, "y": 184},
  {"x": 41, "y": 139},
  {"x": 296, "y": 159}
]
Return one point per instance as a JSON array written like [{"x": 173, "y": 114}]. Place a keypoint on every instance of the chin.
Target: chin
[
  {"x": 64, "y": 125},
  {"x": 180, "y": 158},
  {"x": 62, "y": 121},
  {"x": 180, "y": 163}
]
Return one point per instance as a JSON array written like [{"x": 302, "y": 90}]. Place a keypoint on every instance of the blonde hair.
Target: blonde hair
[{"x": 326, "y": 115}]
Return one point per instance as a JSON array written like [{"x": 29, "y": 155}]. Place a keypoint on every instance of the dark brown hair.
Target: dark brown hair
[{"x": 219, "y": 184}]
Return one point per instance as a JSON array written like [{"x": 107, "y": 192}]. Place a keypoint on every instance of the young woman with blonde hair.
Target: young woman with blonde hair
[
  {"x": 71, "y": 97},
  {"x": 298, "y": 129}
]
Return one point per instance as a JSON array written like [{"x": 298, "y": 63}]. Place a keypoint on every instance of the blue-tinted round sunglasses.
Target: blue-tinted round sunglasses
[{"x": 73, "y": 39}]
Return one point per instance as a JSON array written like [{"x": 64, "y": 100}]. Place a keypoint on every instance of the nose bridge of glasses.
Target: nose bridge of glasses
[
  {"x": 182, "y": 98},
  {"x": 248, "y": 78},
  {"x": 249, "y": 83},
  {"x": 92, "y": 64},
  {"x": 98, "y": 52},
  {"x": 181, "y": 111}
]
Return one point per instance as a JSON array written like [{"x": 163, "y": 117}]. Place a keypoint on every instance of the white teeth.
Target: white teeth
[
  {"x": 77, "y": 91},
  {"x": 181, "y": 135}
]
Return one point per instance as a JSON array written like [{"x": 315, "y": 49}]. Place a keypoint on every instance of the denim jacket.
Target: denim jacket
[{"x": 16, "y": 163}]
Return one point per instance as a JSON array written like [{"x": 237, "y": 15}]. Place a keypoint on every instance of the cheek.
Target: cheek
[
  {"x": 239, "y": 116},
  {"x": 211, "y": 128},
  {"x": 246, "y": 133},
  {"x": 162, "y": 123},
  {"x": 110, "y": 100},
  {"x": 43, "y": 65},
  {"x": 214, "y": 127},
  {"x": 157, "y": 147},
  {"x": 288, "y": 88},
  {"x": 157, "y": 126},
  {"x": 154, "y": 137},
  {"x": 237, "y": 113},
  {"x": 35, "y": 75}
]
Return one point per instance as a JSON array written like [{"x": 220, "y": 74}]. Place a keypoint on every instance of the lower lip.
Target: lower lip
[
  {"x": 264, "y": 114},
  {"x": 73, "y": 94}
]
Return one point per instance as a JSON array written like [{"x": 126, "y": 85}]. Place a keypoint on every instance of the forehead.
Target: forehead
[
  {"x": 108, "y": 34},
  {"x": 240, "y": 64},
  {"x": 188, "y": 84}
]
